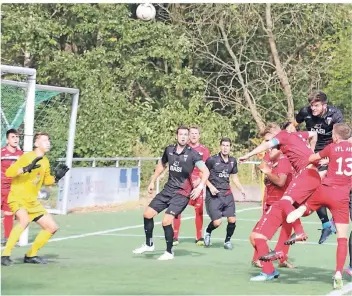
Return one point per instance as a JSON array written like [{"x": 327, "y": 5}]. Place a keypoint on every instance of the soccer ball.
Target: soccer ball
[{"x": 146, "y": 11}]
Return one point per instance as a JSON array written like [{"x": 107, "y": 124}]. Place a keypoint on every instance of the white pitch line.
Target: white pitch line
[
  {"x": 213, "y": 238},
  {"x": 344, "y": 291},
  {"x": 123, "y": 228}
]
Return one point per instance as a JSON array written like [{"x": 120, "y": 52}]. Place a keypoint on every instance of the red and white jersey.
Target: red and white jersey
[
  {"x": 7, "y": 159},
  {"x": 295, "y": 147},
  {"x": 340, "y": 164},
  {"x": 280, "y": 166},
  {"x": 204, "y": 152}
]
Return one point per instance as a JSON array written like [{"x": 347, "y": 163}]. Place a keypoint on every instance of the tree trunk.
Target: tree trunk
[
  {"x": 246, "y": 94},
  {"x": 279, "y": 68}
]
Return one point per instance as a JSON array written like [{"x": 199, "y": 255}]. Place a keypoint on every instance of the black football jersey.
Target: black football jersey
[
  {"x": 322, "y": 125},
  {"x": 220, "y": 172},
  {"x": 180, "y": 169}
]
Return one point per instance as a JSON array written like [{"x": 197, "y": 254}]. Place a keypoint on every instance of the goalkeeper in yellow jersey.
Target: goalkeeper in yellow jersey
[{"x": 29, "y": 173}]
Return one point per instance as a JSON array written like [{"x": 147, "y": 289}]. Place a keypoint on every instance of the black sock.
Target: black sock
[
  {"x": 148, "y": 228},
  {"x": 350, "y": 248},
  {"x": 169, "y": 235},
  {"x": 230, "y": 229},
  {"x": 323, "y": 215},
  {"x": 210, "y": 227}
]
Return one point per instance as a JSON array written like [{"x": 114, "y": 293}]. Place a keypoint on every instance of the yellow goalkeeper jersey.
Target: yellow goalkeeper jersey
[{"x": 25, "y": 187}]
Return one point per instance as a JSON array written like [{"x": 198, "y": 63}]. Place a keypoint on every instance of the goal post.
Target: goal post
[{"x": 30, "y": 108}]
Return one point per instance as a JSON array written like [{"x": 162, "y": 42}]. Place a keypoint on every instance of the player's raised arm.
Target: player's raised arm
[
  {"x": 21, "y": 166},
  {"x": 262, "y": 147}
]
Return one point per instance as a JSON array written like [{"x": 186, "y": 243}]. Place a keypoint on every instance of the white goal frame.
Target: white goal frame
[{"x": 30, "y": 87}]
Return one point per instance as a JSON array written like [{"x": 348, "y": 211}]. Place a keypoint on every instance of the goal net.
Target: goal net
[{"x": 32, "y": 108}]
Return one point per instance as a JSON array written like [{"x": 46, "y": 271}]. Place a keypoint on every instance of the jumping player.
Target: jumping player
[
  {"x": 278, "y": 175},
  {"x": 333, "y": 193},
  {"x": 297, "y": 149},
  {"x": 320, "y": 117},
  {"x": 197, "y": 203},
  {"x": 176, "y": 193}
]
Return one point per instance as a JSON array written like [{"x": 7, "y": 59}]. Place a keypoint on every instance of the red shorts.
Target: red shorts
[
  {"x": 335, "y": 199},
  {"x": 271, "y": 221},
  {"x": 303, "y": 185},
  {"x": 198, "y": 202},
  {"x": 4, "y": 205}
]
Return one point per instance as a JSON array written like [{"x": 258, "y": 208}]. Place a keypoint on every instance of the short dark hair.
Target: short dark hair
[
  {"x": 227, "y": 140},
  {"x": 317, "y": 96},
  {"x": 342, "y": 130},
  {"x": 11, "y": 131},
  {"x": 181, "y": 127}
]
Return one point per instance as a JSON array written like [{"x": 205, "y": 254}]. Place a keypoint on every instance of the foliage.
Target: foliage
[{"x": 139, "y": 80}]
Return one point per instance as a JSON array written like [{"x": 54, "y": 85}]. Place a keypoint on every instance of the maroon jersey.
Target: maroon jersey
[
  {"x": 295, "y": 147},
  {"x": 7, "y": 159},
  {"x": 340, "y": 164},
  {"x": 272, "y": 191},
  {"x": 204, "y": 152}
]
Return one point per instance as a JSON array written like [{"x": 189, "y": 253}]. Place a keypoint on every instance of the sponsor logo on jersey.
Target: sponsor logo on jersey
[
  {"x": 175, "y": 167},
  {"x": 317, "y": 128},
  {"x": 224, "y": 174}
]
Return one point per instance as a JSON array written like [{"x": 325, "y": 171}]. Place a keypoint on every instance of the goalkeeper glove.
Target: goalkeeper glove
[
  {"x": 32, "y": 166},
  {"x": 60, "y": 171}
]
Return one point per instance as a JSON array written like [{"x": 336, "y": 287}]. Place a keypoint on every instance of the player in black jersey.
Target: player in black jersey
[
  {"x": 219, "y": 200},
  {"x": 176, "y": 193},
  {"x": 320, "y": 117}
]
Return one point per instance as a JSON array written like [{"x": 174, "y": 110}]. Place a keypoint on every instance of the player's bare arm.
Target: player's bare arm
[
  {"x": 313, "y": 138},
  {"x": 204, "y": 177},
  {"x": 160, "y": 167},
  {"x": 279, "y": 180},
  {"x": 262, "y": 147},
  {"x": 314, "y": 157},
  {"x": 214, "y": 191},
  {"x": 238, "y": 184}
]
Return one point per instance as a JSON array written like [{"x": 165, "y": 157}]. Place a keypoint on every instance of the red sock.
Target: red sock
[
  {"x": 287, "y": 207},
  {"x": 262, "y": 249},
  {"x": 8, "y": 224},
  {"x": 255, "y": 255},
  {"x": 297, "y": 226},
  {"x": 341, "y": 253},
  {"x": 285, "y": 233},
  {"x": 177, "y": 225},
  {"x": 199, "y": 221}
]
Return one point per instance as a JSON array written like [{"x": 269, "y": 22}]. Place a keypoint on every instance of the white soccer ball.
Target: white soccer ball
[{"x": 146, "y": 11}]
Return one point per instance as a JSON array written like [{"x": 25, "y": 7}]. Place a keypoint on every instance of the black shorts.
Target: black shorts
[
  {"x": 322, "y": 168},
  {"x": 220, "y": 206},
  {"x": 174, "y": 203}
]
